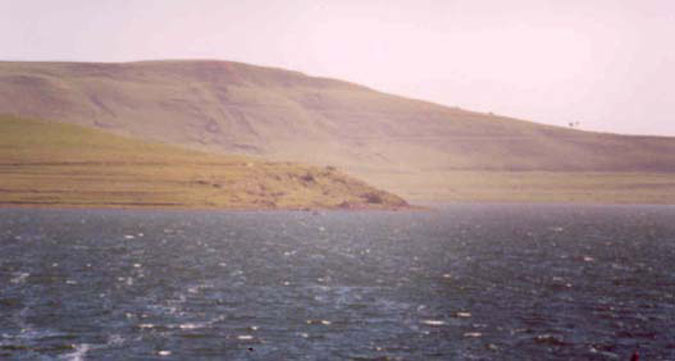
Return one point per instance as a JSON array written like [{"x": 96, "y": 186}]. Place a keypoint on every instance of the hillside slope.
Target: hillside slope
[
  {"x": 422, "y": 150},
  {"x": 46, "y": 163}
]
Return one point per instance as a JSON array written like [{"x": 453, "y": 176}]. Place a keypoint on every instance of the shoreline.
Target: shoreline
[
  {"x": 422, "y": 206},
  {"x": 183, "y": 208}
]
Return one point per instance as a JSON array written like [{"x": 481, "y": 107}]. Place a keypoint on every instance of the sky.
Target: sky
[{"x": 608, "y": 65}]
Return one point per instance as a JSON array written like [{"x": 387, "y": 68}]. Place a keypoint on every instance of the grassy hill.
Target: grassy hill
[
  {"x": 46, "y": 163},
  {"x": 418, "y": 149}
]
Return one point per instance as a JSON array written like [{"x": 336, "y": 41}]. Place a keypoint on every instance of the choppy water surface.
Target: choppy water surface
[{"x": 463, "y": 283}]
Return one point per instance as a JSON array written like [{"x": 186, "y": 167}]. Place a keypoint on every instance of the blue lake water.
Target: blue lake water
[{"x": 465, "y": 282}]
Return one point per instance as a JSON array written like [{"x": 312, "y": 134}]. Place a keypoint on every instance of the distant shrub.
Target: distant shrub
[
  {"x": 308, "y": 177},
  {"x": 345, "y": 205},
  {"x": 373, "y": 197}
]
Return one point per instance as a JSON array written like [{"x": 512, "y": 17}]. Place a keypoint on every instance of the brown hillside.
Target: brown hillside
[{"x": 410, "y": 146}]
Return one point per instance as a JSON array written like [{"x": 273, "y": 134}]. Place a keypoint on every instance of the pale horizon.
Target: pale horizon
[{"x": 605, "y": 65}]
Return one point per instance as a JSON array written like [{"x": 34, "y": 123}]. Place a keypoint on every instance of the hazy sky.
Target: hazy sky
[{"x": 608, "y": 64}]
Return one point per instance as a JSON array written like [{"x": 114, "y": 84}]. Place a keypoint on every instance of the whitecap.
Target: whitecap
[
  {"x": 79, "y": 353},
  {"x": 115, "y": 339},
  {"x": 473, "y": 334},
  {"x": 433, "y": 322},
  {"x": 190, "y": 326},
  {"x": 20, "y": 277}
]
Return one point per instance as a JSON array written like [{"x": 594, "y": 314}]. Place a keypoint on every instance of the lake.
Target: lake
[{"x": 464, "y": 282}]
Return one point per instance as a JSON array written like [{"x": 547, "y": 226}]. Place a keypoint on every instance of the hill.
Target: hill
[
  {"x": 421, "y": 150},
  {"x": 46, "y": 163}
]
